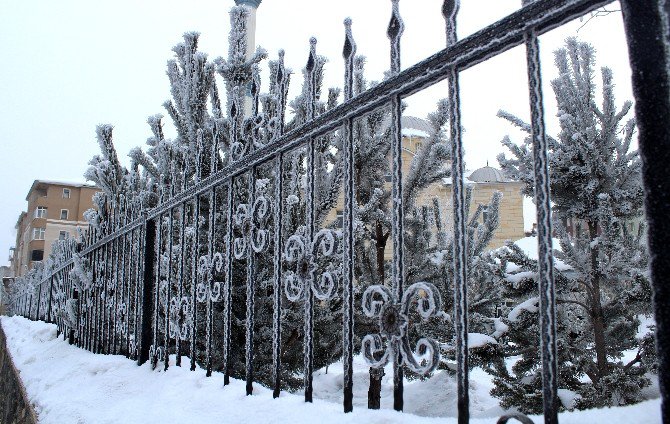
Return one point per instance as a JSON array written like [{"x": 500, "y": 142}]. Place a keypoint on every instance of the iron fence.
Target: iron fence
[{"x": 149, "y": 282}]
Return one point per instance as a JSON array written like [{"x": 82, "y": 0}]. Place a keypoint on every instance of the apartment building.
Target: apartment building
[{"x": 55, "y": 212}]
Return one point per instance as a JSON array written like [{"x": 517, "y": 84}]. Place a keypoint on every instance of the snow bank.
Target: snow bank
[
  {"x": 529, "y": 305},
  {"x": 70, "y": 385},
  {"x": 529, "y": 246},
  {"x": 476, "y": 340}
]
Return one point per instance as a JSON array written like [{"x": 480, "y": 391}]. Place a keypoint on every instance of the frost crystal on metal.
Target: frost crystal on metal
[
  {"x": 305, "y": 256},
  {"x": 393, "y": 319},
  {"x": 207, "y": 289},
  {"x": 251, "y": 220}
]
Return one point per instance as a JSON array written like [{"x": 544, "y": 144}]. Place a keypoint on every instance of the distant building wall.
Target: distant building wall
[{"x": 511, "y": 226}]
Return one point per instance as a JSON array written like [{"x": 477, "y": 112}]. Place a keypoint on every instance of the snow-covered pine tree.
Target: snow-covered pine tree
[{"x": 602, "y": 284}]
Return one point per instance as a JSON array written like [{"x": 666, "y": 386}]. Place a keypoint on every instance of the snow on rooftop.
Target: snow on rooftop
[
  {"x": 412, "y": 132},
  {"x": 65, "y": 183},
  {"x": 71, "y": 385}
]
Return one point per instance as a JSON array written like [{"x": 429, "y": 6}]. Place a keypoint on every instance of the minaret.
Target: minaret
[{"x": 252, "y": 5}]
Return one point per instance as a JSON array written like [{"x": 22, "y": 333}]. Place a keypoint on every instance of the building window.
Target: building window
[
  {"x": 41, "y": 212},
  {"x": 63, "y": 213},
  {"x": 37, "y": 255},
  {"x": 485, "y": 213},
  {"x": 66, "y": 193},
  {"x": 339, "y": 219},
  {"x": 63, "y": 235},
  {"x": 38, "y": 233},
  {"x": 388, "y": 178}
]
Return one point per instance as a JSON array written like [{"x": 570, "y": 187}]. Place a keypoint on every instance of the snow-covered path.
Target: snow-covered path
[{"x": 70, "y": 385}]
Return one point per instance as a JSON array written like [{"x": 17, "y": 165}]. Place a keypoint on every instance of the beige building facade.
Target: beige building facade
[
  {"x": 55, "y": 212},
  {"x": 483, "y": 182}
]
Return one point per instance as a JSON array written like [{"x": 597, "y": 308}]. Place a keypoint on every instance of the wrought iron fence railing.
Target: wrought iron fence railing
[{"x": 150, "y": 282}]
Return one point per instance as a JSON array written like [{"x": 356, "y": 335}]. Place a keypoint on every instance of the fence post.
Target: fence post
[
  {"x": 71, "y": 331},
  {"x": 39, "y": 301},
  {"x": 147, "y": 289},
  {"x": 646, "y": 24},
  {"x": 51, "y": 288}
]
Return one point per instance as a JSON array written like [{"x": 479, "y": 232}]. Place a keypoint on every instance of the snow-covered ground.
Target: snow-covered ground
[{"x": 70, "y": 385}]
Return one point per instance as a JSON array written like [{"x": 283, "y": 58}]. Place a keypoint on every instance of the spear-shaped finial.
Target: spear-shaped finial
[
  {"x": 449, "y": 11},
  {"x": 394, "y": 32},
  {"x": 310, "y": 75},
  {"x": 348, "y": 52}
]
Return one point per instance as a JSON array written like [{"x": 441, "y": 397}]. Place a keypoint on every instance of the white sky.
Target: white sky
[{"x": 70, "y": 65}]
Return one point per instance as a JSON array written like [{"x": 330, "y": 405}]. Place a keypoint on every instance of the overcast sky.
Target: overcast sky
[{"x": 70, "y": 65}]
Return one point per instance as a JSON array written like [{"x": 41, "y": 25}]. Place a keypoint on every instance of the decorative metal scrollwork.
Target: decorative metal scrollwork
[
  {"x": 121, "y": 315},
  {"x": 296, "y": 251},
  {"x": 207, "y": 288},
  {"x": 180, "y": 317},
  {"x": 157, "y": 354},
  {"x": 250, "y": 220},
  {"x": 522, "y": 418},
  {"x": 393, "y": 320}
]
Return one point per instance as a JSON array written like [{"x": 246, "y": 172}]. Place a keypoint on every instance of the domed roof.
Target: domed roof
[
  {"x": 487, "y": 174},
  {"x": 251, "y": 3},
  {"x": 414, "y": 123}
]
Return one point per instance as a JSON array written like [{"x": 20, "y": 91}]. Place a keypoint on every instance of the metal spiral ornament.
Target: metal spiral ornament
[
  {"x": 251, "y": 221},
  {"x": 207, "y": 288},
  {"x": 393, "y": 320},
  {"x": 297, "y": 251}
]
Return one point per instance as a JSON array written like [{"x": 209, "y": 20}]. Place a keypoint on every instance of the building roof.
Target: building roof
[
  {"x": 38, "y": 183},
  {"x": 487, "y": 174},
  {"x": 415, "y": 127},
  {"x": 252, "y": 3}
]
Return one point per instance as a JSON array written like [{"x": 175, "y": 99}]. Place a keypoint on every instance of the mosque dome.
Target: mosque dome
[
  {"x": 252, "y": 3},
  {"x": 487, "y": 174}
]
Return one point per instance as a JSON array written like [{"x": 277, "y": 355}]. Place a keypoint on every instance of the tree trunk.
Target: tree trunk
[
  {"x": 375, "y": 390},
  {"x": 597, "y": 317}
]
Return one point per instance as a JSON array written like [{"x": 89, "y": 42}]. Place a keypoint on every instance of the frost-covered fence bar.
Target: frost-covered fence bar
[{"x": 648, "y": 35}]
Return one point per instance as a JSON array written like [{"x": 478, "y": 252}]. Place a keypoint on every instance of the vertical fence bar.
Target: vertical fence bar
[
  {"x": 276, "y": 287},
  {"x": 168, "y": 289},
  {"x": 115, "y": 287},
  {"x": 110, "y": 265},
  {"x": 308, "y": 343},
  {"x": 647, "y": 32},
  {"x": 394, "y": 33},
  {"x": 140, "y": 278},
  {"x": 544, "y": 232},
  {"x": 125, "y": 280},
  {"x": 93, "y": 300},
  {"x": 450, "y": 12},
  {"x": 210, "y": 277},
  {"x": 132, "y": 293},
  {"x": 148, "y": 246},
  {"x": 128, "y": 242},
  {"x": 180, "y": 279},
  {"x": 251, "y": 290},
  {"x": 194, "y": 276},
  {"x": 157, "y": 289},
  {"x": 39, "y": 302},
  {"x": 349, "y": 53},
  {"x": 278, "y": 224},
  {"x": 228, "y": 283},
  {"x": 51, "y": 289}
]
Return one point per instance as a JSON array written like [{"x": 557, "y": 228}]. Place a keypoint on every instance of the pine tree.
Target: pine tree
[{"x": 601, "y": 283}]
